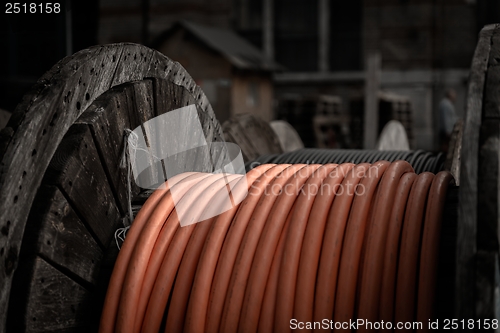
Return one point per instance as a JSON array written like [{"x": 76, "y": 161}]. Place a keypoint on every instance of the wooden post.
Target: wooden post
[
  {"x": 268, "y": 35},
  {"x": 372, "y": 83},
  {"x": 324, "y": 35}
]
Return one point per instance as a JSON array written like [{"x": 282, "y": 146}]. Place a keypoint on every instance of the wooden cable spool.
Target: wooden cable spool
[
  {"x": 62, "y": 193},
  {"x": 477, "y": 245},
  {"x": 65, "y": 139}
]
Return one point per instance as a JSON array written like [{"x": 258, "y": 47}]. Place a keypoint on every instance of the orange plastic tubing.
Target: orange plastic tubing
[
  {"x": 110, "y": 308},
  {"x": 187, "y": 269},
  {"x": 152, "y": 296},
  {"x": 353, "y": 242},
  {"x": 430, "y": 248},
  {"x": 223, "y": 279},
  {"x": 388, "y": 287},
  {"x": 285, "y": 296},
  {"x": 332, "y": 240},
  {"x": 376, "y": 240},
  {"x": 410, "y": 248},
  {"x": 313, "y": 241},
  {"x": 268, "y": 242},
  {"x": 198, "y": 302}
]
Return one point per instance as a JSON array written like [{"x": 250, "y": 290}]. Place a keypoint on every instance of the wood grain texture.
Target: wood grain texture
[
  {"x": 45, "y": 114},
  {"x": 487, "y": 181},
  {"x": 77, "y": 170},
  {"x": 488, "y": 217},
  {"x": 107, "y": 118},
  {"x": 253, "y": 135},
  {"x": 487, "y": 282},
  {"x": 62, "y": 237},
  {"x": 54, "y": 303},
  {"x": 467, "y": 217}
]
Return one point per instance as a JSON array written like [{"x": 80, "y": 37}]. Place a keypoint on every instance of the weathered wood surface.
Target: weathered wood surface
[
  {"x": 107, "y": 118},
  {"x": 77, "y": 170},
  {"x": 488, "y": 182},
  {"x": 253, "y": 135},
  {"x": 287, "y": 135},
  {"x": 45, "y": 114},
  {"x": 55, "y": 303},
  {"x": 468, "y": 218},
  {"x": 453, "y": 156},
  {"x": 61, "y": 237}
]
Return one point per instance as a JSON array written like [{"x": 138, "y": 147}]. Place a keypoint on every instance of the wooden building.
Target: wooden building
[{"x": 235, "y": 75}]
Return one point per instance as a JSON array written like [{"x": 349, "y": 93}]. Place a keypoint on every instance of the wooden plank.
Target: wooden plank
[
  {"x": 487, "y": 282},
  {"x": 61, "y": 237},
  {"x": 234, "y": 129},
  {"x": 488, "y": 178},
  {"x": 76, "y": 169},
  {"x": 108, "y": 117},
  {"x": 260, "y": 134},
  {"x": 492, "y": 92},
  {"x": 54, "y": 301},
  {"x": 467, "y": 218}
]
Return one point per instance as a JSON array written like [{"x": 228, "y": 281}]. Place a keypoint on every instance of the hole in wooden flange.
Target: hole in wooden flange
[
  {"x": 44, "y": 132},
  {"x": 42, "y": 280},
  {"x": 86, "y": 146},
  {"x": 78, "y": 105},
  {"x": 70, "y": 183},
  {"x": 33, "y": 153},
  {"x": 87, "y": 96},
  {"x": 49, "y": 242},
  {"x": 15, "y": 199},
  {"x": 24, "y": 174},
  {"x": 54, "y": 117}
]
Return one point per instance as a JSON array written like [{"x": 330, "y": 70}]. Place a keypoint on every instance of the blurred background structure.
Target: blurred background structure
[{"x": 336, "y": 70}]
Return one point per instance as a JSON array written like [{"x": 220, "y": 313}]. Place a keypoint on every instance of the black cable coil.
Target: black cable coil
[{"x": 420, "y": 160}]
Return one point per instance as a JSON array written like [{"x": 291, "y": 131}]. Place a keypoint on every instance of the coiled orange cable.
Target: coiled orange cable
[{"x": 308, "y": 242}]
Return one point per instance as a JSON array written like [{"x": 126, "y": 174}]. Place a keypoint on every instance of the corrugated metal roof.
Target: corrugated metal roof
[{"x": 235, "y": 49}]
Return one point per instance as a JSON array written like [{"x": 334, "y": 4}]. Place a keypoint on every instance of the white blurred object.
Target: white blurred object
[
  {"x": 393, "y": 137},
  {"x": 288, "y": 137}
]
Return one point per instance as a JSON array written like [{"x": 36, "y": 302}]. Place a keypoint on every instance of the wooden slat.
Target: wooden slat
[
  {"x": 487, "y": 282},
  {"x": 61, "y": 237},
  {"x": 54, "y": 303},
  {"x": 235, "y": 131},
  {"x": 488, "y": 232},
  {"x": 488, "y": 177},
  {"x": 76, "y": 169},
  {"x": 492, "y": 90},
  {"x": 108, "y": 117},
  {"x": 467, "y": 218},
  {"x": 261, "y": 134}
]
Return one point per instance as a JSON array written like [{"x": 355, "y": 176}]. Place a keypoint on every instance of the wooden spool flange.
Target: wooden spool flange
[{"x": 62, "y": 193}]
